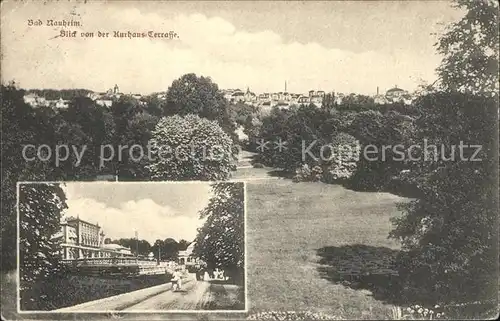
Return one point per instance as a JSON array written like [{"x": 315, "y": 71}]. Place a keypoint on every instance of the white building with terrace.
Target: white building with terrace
[{"x": 80, "y": 239}]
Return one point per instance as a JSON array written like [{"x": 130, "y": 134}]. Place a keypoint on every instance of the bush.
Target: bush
[
  {"x": 307, "y": 174},
  {"x": 190, "y": 148},
  {"x": 258, "y": 165},
  {"x": 345, "y": 149}
]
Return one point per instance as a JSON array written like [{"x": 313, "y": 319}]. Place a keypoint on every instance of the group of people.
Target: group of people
[{"x": 201, "y": 274}]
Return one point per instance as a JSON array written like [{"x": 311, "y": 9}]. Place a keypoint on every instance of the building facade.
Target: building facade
[
  {"x": 80, "y": 239},
  {"x": 187, "y": 257}
]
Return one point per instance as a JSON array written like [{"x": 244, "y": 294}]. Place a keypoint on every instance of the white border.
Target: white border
[{"x": 18, "y": 295}]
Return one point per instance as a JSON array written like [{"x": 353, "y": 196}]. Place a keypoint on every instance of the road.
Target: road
[{"x": 195, "y": 295}]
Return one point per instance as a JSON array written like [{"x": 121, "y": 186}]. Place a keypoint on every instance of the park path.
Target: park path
[
  {"x": 246, "y": 172},
  {"x": 193, "y": 296}
]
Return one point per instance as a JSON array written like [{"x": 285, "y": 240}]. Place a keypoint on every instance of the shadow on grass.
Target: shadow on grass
[
  {"x": 363, "y": 267},
  {"x": 225, "y": 296}
]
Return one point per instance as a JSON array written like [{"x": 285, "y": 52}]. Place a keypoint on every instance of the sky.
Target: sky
[
  {"x": 155, "y": 210},
  {"x": 343, "y": 46}
]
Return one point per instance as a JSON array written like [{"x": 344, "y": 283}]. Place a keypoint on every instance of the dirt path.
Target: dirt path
[{"x": 189, "y": 298}]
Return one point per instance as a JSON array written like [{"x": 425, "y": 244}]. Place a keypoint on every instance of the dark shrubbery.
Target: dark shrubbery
[
  {"x": 450, "y": 234},
  {"x": 383, "y": 138},
  {"x": 296, "y": 126}
]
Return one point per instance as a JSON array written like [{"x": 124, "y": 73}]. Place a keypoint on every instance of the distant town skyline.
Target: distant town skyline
[
  {"x": 154, "y": 210},
  {"x": 347, "y": 47}
]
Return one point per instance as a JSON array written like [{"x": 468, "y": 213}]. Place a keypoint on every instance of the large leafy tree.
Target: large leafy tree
[
  {"x": 470, "y": 49},
  {"x": 191, "y": 94},
  {"x": 40, "y": 208},
  {"x": 221, "y": 240}
]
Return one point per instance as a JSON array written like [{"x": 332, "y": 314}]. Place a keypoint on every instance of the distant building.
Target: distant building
[
  {"x": 304, "y": 100},
  {"x": 380, "y": 100},
  {"x": 80, "y": 239},
  {"x": 250, "y": 97},
  {"x": 237, "y": 96},
  {"x": 104, "y": 102},
  {"x": 61, "y": 103},
  {"x": 395, "y": 94},
  {"x": 187, "y": 257},
  {"x": 36, "y": 101}
]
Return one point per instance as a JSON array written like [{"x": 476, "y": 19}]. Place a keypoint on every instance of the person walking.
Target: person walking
[{"x": 177, "y": 280}]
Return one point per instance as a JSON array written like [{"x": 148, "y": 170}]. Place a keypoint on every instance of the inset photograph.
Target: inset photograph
[{"x": 131, "y": 247}]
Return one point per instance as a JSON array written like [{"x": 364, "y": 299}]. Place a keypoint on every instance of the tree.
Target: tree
[
  {"x": 170, "y": 249},
  {"x": 107, "y": 240},
  {"x": 133, "y": 127},
  {"x": 304, "y": 126},
  {"x": 190, "y": 148},
  {"x": 183, "y": 245},
  {"x": 220, "y": 241},
  {"x": 40, "y": 208},
  {"x": 157, "y": 249},
  {"x": 470, "y": 49},
  {"x": 200, "y": 96},
  {"x": 450, "y": 233}
]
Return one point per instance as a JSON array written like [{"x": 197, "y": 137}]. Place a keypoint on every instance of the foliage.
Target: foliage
[
  {"x": 133, "y": 127},
  {"x": 168, "y": 249},
  {"x": 40, "y": 207},
  {"x": 344, "y": 158},
  {"x": 450, "y": 234},
  {"x": 65, "y": 94},
  {"x": 356, "y": 102},
  {"x": 307, "y": 174},
  {"x": 21, "y": 125},
  {"x": 470, "y": 49},
  {"x": 383, "y": 140},
  {"x": 292, "y": 315},
  {"x": 300, "y": 128},
  {"x": 220, "y": 241},
  {"x": 200, "y": 96},
  {"x": 190, "y": 148},
  {"x": 141, "y": 246}
]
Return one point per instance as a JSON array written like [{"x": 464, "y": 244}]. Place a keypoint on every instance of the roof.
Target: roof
[
  {"x": 395, "y": 89},
  {"x": 72, "y": 219}
]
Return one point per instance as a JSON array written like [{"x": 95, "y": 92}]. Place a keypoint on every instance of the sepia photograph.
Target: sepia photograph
[
  {"x": 250, "y": 160},
  {"x": 139, "y": 247}
]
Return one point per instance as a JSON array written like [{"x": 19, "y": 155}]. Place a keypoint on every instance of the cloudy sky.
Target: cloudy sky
[
  {"x": 349, "y": 46},
  {"x": 155, "y": 210}
]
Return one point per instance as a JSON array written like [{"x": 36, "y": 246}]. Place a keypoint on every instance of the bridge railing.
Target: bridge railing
[{"x": 119, "y": 261}]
